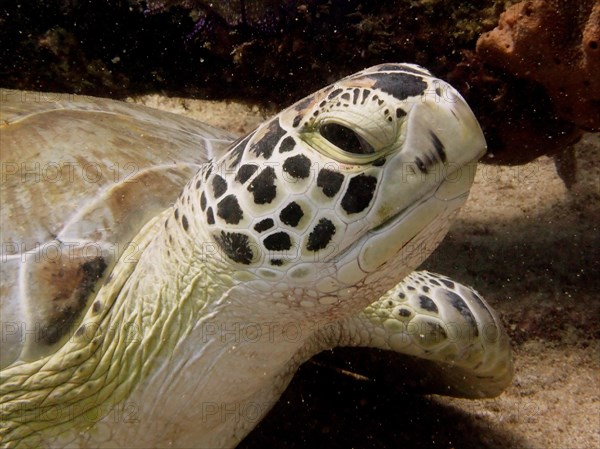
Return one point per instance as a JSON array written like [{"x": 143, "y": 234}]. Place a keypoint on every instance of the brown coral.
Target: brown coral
[{"x": 555, "y": 43}]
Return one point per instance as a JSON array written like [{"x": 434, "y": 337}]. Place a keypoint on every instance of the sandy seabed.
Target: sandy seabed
[{"x": 531, "y": 246}]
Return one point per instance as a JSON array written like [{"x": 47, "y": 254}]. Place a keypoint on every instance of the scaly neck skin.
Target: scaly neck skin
[
  {"x": 208, "y": 374},
  {"x": 154, "y": 366}
]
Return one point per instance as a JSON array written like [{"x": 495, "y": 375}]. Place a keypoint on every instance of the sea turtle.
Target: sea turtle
[{"x": 161, "y": 284}]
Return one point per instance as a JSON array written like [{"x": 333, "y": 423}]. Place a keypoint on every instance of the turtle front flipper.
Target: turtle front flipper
[{"x": 454, "y": 339}]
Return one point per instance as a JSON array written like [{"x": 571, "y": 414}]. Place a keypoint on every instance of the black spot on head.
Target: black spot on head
[
  {"x": 401, "y": 295},
  {"x": 355, "y": 92},
  {"x": 321, "y": 235},
  {"x": 176, "y": 214},
  {"x": 297, "y": 121},
  {"x": 359, "y": 194},
  {"x": 219, "y": 186},
  {"x": 427, "y": 304},
  {"x": 335, "y": 93},
  {"x": 198, "y": 183},
  {"x": 345, "y": 96},
  {"x": 438, "y": 145},
  {"x": 434, "y": 282},
  {"x": 184, "y": 222},
  {"x": 237, "y": 151},
  {"x": 390, "y": 68},
  {"x": 276, "y": 262},
  {"x": 438, "y": 91},
  {"x": 400, "y": 85},
  {"x": 266, "y": 144},
  {"x": 298, "y": 166},
  {"x": 421, "y": 165},
  {"x": 263, "y": 186},
  {"x": 435, "y": 330},
  {"x": 235, "y": 157},
  {"x": 97, "y": 306},
  {"x": 236, "y": 246},
  {"x": 479, "y": 300},
  {"x": 291, "y": 214},
  {"x": 280, "y": 241},
  {"x": 377, "y": 99},
  {"x": 410, "y": 287},
  {"x": 400, "y": 112},
  {"x": 245, "y": 172},
  {"x": 448, "y": 283},
  {"x": 203, "y": 201},
  {"x": 459, "y": 304},
  {"x": 365, "y": 95},
  {"x": 425, "y": 289},
  {"x": 208, "y": 169},
  {"x": 263, "y": 225},
  {"x": 287, "y": 144},
  {"x": 229, "y": 210},
  {"x": 210, "y": 217},
  {"x": 404, "y": 312},
  {"x": 330, "y": 181},
  {"x": 302, "y": 104}
]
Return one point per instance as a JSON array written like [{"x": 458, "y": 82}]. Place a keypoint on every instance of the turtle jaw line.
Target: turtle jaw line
[
  {"x": 394, "y": 218},
  {"x": 391, "y": 221},
  {"x": 398, "y": 216},
  {"x": 401, "y": 215}
]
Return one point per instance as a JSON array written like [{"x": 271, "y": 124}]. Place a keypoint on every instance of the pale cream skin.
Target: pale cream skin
[{"x": 195, "y": 342}]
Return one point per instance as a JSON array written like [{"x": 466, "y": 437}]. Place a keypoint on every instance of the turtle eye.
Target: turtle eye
[{"x": 346, "y": 139}]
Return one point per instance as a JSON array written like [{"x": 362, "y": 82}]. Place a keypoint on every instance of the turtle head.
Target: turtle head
[{"x": 341, "y": 195}]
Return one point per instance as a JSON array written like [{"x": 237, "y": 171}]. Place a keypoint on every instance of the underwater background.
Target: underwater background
[{"x": 528, "y": 239}]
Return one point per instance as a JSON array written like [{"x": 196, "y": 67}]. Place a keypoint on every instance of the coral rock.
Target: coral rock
[{"x": 557, "y": 44}]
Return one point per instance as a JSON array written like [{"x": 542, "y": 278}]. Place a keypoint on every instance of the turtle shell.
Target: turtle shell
[{"x": 80, "y": 177}]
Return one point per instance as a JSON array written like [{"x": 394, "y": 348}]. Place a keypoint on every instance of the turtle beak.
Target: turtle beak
[
  {"x": 444, "y": 128},
  {"x": 439, "y": 154}
]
